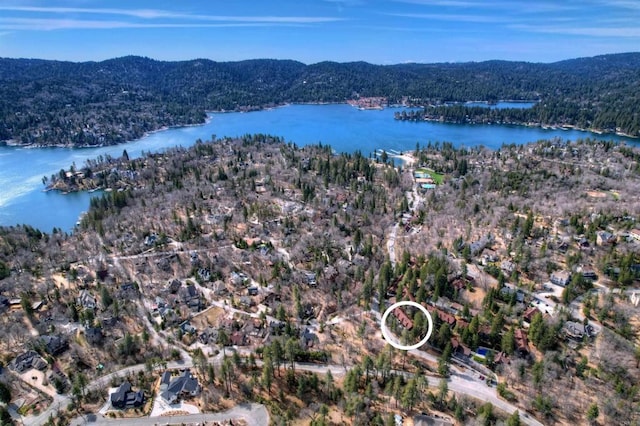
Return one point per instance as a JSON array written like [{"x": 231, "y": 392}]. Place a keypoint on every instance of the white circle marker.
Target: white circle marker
[{"x": 387, "y": 334}]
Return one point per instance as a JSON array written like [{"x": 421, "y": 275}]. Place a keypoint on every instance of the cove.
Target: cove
[{"x": 345, "y": 128}]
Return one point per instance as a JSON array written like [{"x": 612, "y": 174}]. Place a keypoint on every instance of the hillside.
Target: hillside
[
  {"x": 95, "y": 103},
  {"x": 262, "y": 266}
]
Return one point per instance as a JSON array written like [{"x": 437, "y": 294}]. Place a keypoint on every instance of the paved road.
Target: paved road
[
  {"x": 60, "y": 402},
  {"x": 256, "y": 414},
  {"x": 253, "y": 414}
]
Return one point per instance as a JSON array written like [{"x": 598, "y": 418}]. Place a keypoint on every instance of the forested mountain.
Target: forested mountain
[{"x": 64, "y": 103}]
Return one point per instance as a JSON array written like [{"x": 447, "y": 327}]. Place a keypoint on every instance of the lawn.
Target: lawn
[{"x": 437, "y": 177}]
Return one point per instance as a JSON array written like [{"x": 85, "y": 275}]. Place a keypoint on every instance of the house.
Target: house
[
  {"x": 311, "y": 279},
  {"x": 86, "y": 300},
  {"x": 501, "y": 358},
  {"x": 507, "y": 292},
  {"x": 186, "y": 327},
  {"x": 522, "y": 342},
  {"x": 635, "y": 234},
  {"x": 237, "y": 279},
  {"x": 93, "y": 335},
  {"x": 54, "y": 345},
  {"x": 507, "y": 267},
  {"x": 150, "y": 240},
  {"x": 109, "y": 321},
  {"x": 403, "y": 318},
  {"x": 124, "y": 397},
  {"x": 208, "y": 335},
  {"x": 562, "y": 246},
  {"x": 604, "y": 238},
  {"x": 252, "y": 291},
  {"x": 165, "y": 380},
  {"x": 308, "y": 338},
  {"x": 276, "y": 326},
  {"x": 561, "y": 278},
  {"x": 583, "y": 243},
  {"x": 27, "y": 361},
  {"x": 573, "y": 330},
  {"x": 442, "y": 315},
  {"x": 190, "y": 297},
  {"x": 204, "y": 274},
  {"x": 476, "y": 247},
  {"x": 219, "y": 288},
  {"x": 459, "y": 349},
  {"x": 238, "y": 338},
  {"x": 588, "y": 273},
  {"x": 128, "y": 290},
  {"x": 184, "y": 385},
  {"x": 529, "y": 314},
  {"x": 489, "y": 256},
  {"x": 174, "y": 286},
  {"x": 245, "y": 301}
]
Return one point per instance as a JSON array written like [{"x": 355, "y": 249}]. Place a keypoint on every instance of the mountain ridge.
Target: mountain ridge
[{"x": 45, "y": 102}]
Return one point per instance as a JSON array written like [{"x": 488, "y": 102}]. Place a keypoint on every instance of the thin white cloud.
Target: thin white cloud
[
  {"x": 457, "y": 17},
  {"x": 34, "y": 24},
  {"x": 451, "y": 3},
  {"x": 512, "y": 6},
  {"x": 623, "y": 4},
  {"x": 163, "y": 14},
  {"x": 582, "y": 31}
]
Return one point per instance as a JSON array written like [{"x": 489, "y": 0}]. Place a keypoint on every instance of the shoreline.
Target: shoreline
[
  {"x": 598, "y": 132},
  {"x": 209, "y": 113}
]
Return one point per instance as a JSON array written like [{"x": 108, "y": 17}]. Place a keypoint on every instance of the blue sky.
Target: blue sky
[{"x": 376, "y": 31}]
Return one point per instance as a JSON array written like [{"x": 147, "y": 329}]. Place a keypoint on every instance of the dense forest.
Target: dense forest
[{"x": 95, "y": 103}]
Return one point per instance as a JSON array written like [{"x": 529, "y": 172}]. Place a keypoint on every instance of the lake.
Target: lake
[{"x": 345, "y": 128}]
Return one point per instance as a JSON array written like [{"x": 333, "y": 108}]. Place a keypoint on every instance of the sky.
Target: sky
[{"x": 310, "y": 31}]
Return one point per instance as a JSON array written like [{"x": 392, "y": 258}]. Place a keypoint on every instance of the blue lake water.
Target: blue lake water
[{"x": 345, "y": 128}]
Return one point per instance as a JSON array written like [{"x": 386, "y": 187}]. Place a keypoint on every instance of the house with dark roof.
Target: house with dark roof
[
  {"x": 604, "y": 238},
  {"x": 173, "y": 286},
  {"x": 190, "y": 296},
  {"x": 208, "y": 335},
  {"x": 93, "y": 335},
  {"x": 54, "y": 345},
  {"x": 124, "y": 397},
  {"x": 308, "y": 338},
  {"x": 86, "y": 300},
  {"x": 27, "y": 361},
  {"x": 185, "y": 385}
]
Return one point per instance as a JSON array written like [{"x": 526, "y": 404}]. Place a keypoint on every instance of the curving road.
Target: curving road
[
  {"x": 256, "y": 414},
  {"x": 253, "y": 414}
]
